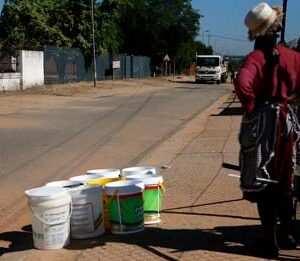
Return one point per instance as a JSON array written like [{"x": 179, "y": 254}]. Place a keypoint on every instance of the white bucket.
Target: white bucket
[
  {"x": 107, "y": 173},
  {"x": 50, "y": 214},
  {"x": 152, "y": 196},
  {"x": 125, "y": 204},
  {"x": 86, "y": 178},
  {"x": 87, "y": 214},
  {"x": 141, "y": 170}
]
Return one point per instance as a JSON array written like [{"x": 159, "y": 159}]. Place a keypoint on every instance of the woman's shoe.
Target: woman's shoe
[
  {"x": 268, "y": 250},
  {"x": 272, "y": 252},
  {"x": 287, "y": 242}
]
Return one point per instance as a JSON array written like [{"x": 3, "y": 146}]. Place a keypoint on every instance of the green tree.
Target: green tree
[
  {"x": 33, "y": 24},
  {"x": 141, "y": 27},
  {"x": 158, "y": 27},
  {"x": 234, "y": 65},
  {"x": 201, "y": 48},
  {"x": 298, "y": 45},
  {"x": 27, "y": 24}
]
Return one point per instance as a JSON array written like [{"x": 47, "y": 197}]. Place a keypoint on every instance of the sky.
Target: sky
[{"x": 225, "y": 19}]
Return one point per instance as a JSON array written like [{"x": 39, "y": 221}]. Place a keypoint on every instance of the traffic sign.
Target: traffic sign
[{"x": 166, "y": 58}]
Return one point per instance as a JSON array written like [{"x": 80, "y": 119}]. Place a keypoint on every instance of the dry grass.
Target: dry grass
[{"x": 85, "y": 88}]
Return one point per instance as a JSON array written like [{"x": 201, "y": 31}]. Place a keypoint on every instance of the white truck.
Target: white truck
[{"x": 210, "y": 68}]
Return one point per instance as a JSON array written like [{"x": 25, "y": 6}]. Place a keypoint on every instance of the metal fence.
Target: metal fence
[
  {"x": 8, "y": 62},
  {"x": 62, "y": 65}
]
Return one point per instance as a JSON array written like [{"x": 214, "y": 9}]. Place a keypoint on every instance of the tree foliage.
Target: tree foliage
[
  {"x": 234, "y": 65},
  {"x": 140, "y": 27},
  {"x": 27, "y": 24},
  {"x": 33, "y": 24},
  {"x": 159, "y": 27}
]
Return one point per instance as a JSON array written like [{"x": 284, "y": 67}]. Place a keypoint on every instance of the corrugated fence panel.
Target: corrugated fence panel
[
  {"x": 103, "y": 67},
  {"x": 128, "y": 66},
  {"x": 62, "y": 65}
]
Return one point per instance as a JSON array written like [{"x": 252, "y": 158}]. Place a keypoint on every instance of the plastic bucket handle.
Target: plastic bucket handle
[
  {"x": 51, "y": 224},
  {"x": 161, "y": 186}
]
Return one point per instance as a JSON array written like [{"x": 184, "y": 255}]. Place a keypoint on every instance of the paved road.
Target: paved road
[
  {"x": 39, "y": 145},
  {"x": 203, "y": 217}
]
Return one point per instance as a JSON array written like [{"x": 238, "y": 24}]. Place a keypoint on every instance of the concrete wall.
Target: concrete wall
[
  {"x": 32, "y": 68},
  {"x": 30, "y": 72},
  {"x": 10, "y": 81}
]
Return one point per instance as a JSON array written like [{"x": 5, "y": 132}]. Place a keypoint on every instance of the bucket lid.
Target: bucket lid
[
  {"x": 68, "y": 184},
  {"x": 102, "y": 181},
  {"x": 124, "y": 187},
  {"x": 85, "y": 189},
  {"x": 139, "y": 170},
  {"x": 46, "y": 193},
  {"x": 147, "y": 179},
  {"x": 108, "y": 173},
  {"x": 84, "y": 178}
]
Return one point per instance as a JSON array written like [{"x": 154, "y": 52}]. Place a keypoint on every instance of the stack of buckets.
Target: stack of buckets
[{"x": 87, "y": 206}]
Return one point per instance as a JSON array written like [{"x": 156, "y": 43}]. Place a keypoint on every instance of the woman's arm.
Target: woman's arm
[{"x": 245, "y": 80}]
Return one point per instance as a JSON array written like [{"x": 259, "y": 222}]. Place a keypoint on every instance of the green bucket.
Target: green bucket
[{"x": 152, "y": 196}]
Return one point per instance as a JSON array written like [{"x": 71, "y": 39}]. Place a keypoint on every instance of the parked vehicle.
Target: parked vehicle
[{"x": 211, "y": 68}]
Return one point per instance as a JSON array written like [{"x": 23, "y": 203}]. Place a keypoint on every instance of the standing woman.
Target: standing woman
[{"x": 267, "y": 82}]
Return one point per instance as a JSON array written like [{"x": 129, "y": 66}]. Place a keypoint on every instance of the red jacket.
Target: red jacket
[{"x": 256, "y": 79}]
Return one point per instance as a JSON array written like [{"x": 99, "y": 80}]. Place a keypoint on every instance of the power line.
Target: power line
[{"x": 228, "y": 38}]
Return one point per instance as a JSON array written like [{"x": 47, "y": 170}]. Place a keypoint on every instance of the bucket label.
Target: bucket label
[
  {"x": 51, "y": 227},
  {"x": 52, "y": 217},
  {"x": 152, "y": 199},
  {"x": 55, "y": 235},
  {"x": 127, "y": 210},
  {"x": 82, "y": 219}
]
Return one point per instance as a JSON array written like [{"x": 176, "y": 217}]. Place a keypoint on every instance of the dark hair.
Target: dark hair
[{"x": 267, "y": 44}]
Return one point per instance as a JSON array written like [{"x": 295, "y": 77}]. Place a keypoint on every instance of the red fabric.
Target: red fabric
[
  {"x": 258, "y": 79},
  {"x": 281, "y": 166}
]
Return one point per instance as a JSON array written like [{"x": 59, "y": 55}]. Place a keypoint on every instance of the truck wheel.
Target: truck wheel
[{"x": 218, "y": 82}]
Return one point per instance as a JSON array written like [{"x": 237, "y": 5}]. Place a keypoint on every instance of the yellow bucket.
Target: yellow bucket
[{"x": 102, "y": 182}]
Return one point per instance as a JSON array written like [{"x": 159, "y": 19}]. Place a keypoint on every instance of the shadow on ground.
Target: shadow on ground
[
  {"x": 167, "y": 243},
  {"x": 239, "y": 240},
  {"x": 17, "y": 240},
  {"x": 231, "y": 107},
  {"x": 230, "y": 111},
  {"x": 183, "y": 81}
]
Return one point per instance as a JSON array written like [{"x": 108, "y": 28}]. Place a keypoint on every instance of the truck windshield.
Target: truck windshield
[{"x": 208, "y": 61}]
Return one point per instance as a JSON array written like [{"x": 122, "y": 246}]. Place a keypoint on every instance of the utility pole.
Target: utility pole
[
  {"x": 208, "y": 37},
  {"x": 174, "y": 71},
  {"x": 283, "y": 21},
  {"x": 94, "y": 48}
]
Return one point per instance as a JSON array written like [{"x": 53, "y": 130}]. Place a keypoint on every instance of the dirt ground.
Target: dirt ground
[{"x": 52, "y": 95}]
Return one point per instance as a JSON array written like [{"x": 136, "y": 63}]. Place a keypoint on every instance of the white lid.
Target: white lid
[
  {"x": 86, "y": 190},
  {"x": 124, "y": 187},
  {"x": 84, "y": 178},
  {"x": 139, "y": 170},
  {"x": 68, "y": 184},
  {"x": 46, "y": 193},
  {"x": 109, "y": 173},
  {"x": 147, "y": 179}
]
